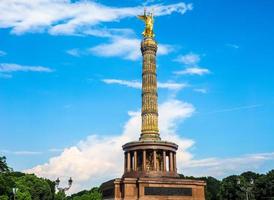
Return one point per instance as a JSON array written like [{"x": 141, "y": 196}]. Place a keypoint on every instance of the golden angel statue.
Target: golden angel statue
[{"x": 149, "y": 21}]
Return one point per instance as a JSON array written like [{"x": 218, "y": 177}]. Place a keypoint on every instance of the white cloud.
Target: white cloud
[
  {"x": 191, "y": 62},
  {"x": 9, "y": 67},
  {"x": 2, "y": 53},
  {"x": 127, "y": 48},
  {"x": 110, "y": 32},
  {"x": 234, "y": 46},
  {"x": 27, "y": 152},
  {"x": 74, "y": 52},
  {"x": 201, "y": 90},
  {"x": 237, "y": 108},
  {"x": 221, "y": 167},
  {"x": 67, "y": 17},
  {"x": 22, "y": 152},
  {"x": 121, "y": 47},
  {"x": 189, "y": 59},
  {"x": 99, "y": 158},
  {"x": 193, "y": 71},
  {"x": 138, "y": 84},
  {"x": 172, "y": 86},
  {"x": 132, "y": 84},
  {"x": 5, "y": 76},
  {"x": 55, "y": 150}
]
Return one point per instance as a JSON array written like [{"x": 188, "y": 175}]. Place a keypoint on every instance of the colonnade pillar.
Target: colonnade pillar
[
  {"x": 154, "y": 160},
  {"x": 135, "y": 161},
  {"x": 125, "y": 162},
  {"x": 144, "y": 160},
  {"x": 171, "y": 161},
  {"x": 174, "y": 161},
  {"x": 164, "y": 160},
  {"x": 128, "y": 162}
]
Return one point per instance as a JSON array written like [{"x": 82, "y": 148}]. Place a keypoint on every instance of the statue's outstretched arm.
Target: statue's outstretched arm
[{"x": 141, "y": 17}]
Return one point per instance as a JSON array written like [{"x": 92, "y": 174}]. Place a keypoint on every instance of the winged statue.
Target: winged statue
[{"x": 149, "y": 21}]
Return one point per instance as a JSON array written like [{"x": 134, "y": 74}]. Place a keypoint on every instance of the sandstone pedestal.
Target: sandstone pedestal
[{"x": 153, "y": 189}]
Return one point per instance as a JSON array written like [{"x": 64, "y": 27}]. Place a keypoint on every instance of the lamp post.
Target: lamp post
[
  {"x": 14, "y": 191},
  {"x": 246, "y": 189},
  {"x": 63, "y": 189}
]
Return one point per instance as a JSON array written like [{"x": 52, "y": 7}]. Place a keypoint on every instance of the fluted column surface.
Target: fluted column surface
[{"x": 150, "y": 129}]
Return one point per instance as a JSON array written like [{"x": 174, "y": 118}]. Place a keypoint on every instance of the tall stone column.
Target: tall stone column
[{"x": 150, "y": 129}]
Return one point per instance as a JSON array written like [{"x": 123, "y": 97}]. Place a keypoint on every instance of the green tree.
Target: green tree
[
  {"x": 270, "y": 184},
  {"x": 52, "y": 187},
  {"x": 23, "y": 195},
  {"x": 60, "y": 195},
  {"x": 4, "y": 197},
  {"x": 250, "y": 176},
  {"x": 6, "y": 184},
  {"x": 264, "y": 187},
  {"x": 3, "y": 165},
  {"x": 30, "y": 187},
  {"x": 231, "y": 190},
  {"x": 93, "y": 194},
  {"x": 38, "y": 188},
  {"x": 212, "y": 188}
]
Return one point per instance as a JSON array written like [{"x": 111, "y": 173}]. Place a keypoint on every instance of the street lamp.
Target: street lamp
[
  {"x": 246, "y": 189},
  {"x": 14, "y": 191},
  {"x": 61, "y": 189}
]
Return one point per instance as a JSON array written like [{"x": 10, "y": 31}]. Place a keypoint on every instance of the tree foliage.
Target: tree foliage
[
  {"x": 93, "y": 194},
  {"x": 4, "y": 197},
  {"x": 60, "y": 195},
  {"x": 264, "y": 186},
  {"x": 212, "y": 188},
  {"x": 3, "y": 165},
  {"x": 38, "y": 188},
  {"x": 29, "y": 186},
  {"x": 230, "y": 189}
]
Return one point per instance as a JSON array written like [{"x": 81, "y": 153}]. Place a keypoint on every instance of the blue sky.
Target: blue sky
[{"x": 71, "y": 70}]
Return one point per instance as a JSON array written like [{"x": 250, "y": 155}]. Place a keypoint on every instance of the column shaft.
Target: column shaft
[
  {"x": 154, "y": 160},
  {"x": 171, "y": 162},
  {"x": 135, "y": 161},
  {"x": 164, "y": 160},
  {"x": 144, "y": 160},
  {"x": 128, "y": 162},
  {"x": 125, "y": 162},
  {"x": 150, "y": 129},
  {"x": 175, "y": 164}
]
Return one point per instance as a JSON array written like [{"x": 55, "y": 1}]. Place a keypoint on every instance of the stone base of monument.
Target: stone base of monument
[{"x": 153, "y": 188}]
